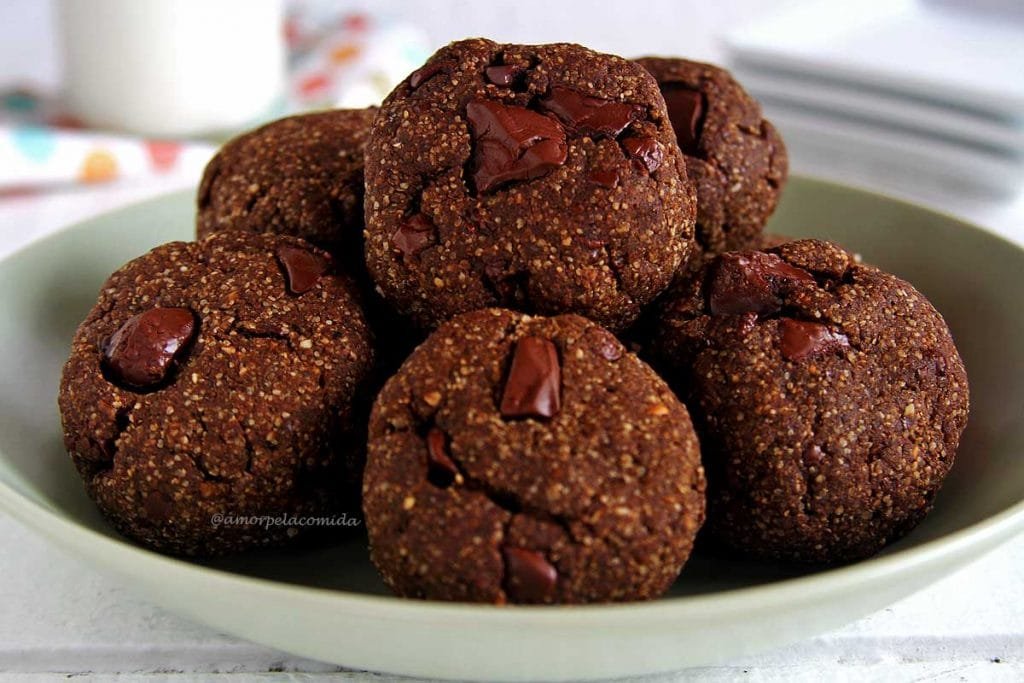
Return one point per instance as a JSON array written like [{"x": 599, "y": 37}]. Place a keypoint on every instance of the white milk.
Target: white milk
[{"x": 172, "y": 67}]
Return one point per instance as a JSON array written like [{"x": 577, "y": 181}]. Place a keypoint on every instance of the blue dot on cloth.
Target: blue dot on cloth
[
  {"x": 34, "y": 142},
  {"x": 19, "y": 101}
]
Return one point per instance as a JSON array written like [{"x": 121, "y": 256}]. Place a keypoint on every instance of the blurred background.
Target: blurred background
[{"x": 103, "y": 101}]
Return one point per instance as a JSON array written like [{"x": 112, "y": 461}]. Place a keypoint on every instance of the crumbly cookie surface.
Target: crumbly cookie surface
[
  {"x": 829, "y": 397},
  {"x": 218, "y": 378},
  {"x": 301, "y": 176},
  {"x": 542, "y": 178},
  {"x": 519, "y": 459}
]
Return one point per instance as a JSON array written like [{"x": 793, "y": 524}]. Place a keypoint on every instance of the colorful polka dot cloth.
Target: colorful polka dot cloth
[{"x": 336, "y": 59}]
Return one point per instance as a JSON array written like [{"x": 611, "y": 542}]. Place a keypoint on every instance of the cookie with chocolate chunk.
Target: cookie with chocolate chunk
[
  {"x": 734, "y": 156},
  {"x": 543, "y": 178},
  {"x": 303, "y": 176},
  {"x": 530, "y": 460},
  {"x": 300, "y": 175},
  {"x": 214, "y": 382},
  {"x": 829, "y": 396}
]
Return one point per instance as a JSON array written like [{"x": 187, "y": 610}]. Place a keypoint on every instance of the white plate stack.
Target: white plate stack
[{"x": 919, "y": 92}]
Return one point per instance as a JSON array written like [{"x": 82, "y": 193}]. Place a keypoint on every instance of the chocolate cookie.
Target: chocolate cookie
[
  {"x": 543, "y": 178},
  {"x": 216, "y": 380},
  {"x": 301, "y": 175},
  {"x": 829, "y": 397},
  {"x": 734, "y": 155},
  {"x": 530, "y": 460}
]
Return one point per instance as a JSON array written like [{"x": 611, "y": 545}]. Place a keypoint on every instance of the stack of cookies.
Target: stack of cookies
[{"x": 429, "y": 315}]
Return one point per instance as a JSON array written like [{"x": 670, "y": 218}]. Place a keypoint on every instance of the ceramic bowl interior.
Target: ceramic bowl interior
[{"x": 973, "y": 278}]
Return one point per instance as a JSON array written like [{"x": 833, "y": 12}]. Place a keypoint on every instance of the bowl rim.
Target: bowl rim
[{"x": 59, "y": 529}]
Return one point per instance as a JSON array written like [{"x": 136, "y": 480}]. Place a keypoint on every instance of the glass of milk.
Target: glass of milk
[{"x": 167, "y": 68}]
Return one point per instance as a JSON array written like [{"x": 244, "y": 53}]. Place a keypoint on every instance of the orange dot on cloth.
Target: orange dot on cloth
[
  {"x": 99, "y": 166},
  {"x": 344, "y": 53}
]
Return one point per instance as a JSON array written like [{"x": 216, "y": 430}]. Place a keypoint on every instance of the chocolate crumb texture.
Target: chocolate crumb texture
[
  {"x": 219, "y": 378},
  {"x": 541, "y": 178},
  {"x": 301, "y": 176},
  {"x": 530, "y": 460},
  {"x": 734, "y": 156},
  {"x": 829, "y": 396}
]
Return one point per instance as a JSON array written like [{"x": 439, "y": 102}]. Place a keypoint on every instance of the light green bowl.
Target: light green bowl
[{"x": 328, "y": 604}]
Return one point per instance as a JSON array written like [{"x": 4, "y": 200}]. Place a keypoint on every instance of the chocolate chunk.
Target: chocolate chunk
[
  {"x": 591, "y": 115},
  {"x": 604, "y": 344},
  {"x": 414, "y": 235},
  {"x": 425, "y": 73},
  {"x": 686, "y": 111},
  {"x": 529, "y": 577},
  {"x": 512, "y": 143},
  {"x": 302, "y": 267},
  {"x": 604, "y": 177},
  {"x": 800, "y": 339},
  {"x": 503, "y": 75},
  {"x": 142, "y": 353},
  {"x": 645, "y": 150},
  {"x": 752, "y": 282},
  {"x": 442, "y": 470},
  {"x": 533, "y": 387}
]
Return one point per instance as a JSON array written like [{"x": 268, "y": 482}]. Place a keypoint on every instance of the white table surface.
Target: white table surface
[{"x": 60, "y": 617}]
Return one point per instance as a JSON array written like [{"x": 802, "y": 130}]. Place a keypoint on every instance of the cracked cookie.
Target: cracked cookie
[
  {"x": 734, "y": 156},
  {"x": 530, "y": 460},
  {"x": 218, "y": 378},
  {"x": 828, "y": 394},
  {"x": 301, "y": 175},
  {"x": 542, "y": 178}
]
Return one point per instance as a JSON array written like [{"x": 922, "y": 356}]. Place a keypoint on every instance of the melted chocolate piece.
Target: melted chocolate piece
[
  {"x": 425, "y": 73},
  {"x": 302, "y": 267},
  {"x": 752, "y": 282},
  {"x": 504, "y": 75},
  {"x": 590, "y": 115},
  {"x": 604, "y": 344},
  {"x": 413, "y": 235},
  {"x": 604, "y": 177},
  {"x": 533, "y": 387},
  {"x": 441, "y": 469},
  {"x": 686, "y": 112},
  {"x": 645, "y": 150},
  {"x": 512, "y": 143},
  {"x": 143, "y": 352},
  {"x": 800, "y": 339},
  {"x": 529, "y": 577}
]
